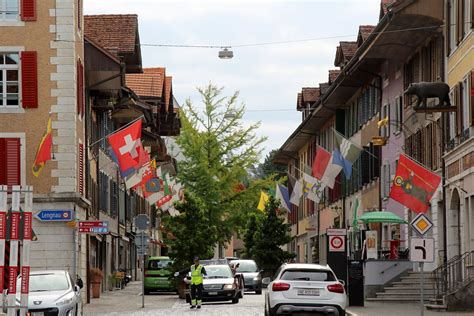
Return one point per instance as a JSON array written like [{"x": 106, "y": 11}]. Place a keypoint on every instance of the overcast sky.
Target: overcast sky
[{"x": 268, "y": 77}]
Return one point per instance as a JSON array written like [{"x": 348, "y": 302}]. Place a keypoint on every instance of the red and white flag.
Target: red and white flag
[
  {"x": 323, "y": 167},
  {"x": 127, "y": 146},
  {"x": 414, "y": 185}
]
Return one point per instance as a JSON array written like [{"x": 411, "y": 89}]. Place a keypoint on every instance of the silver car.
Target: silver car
[{"x": 53, "y": 293}]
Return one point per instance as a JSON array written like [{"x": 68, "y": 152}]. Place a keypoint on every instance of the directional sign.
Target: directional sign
[
  {"x": 337, "y": 243},
  {"x": 422, "y": 249},
  {"x": 54, "y": 215},
  {"x": 421, "y": 224},
  {"x": 336, "y": 232},
  {"x": 94, "y": 227}
]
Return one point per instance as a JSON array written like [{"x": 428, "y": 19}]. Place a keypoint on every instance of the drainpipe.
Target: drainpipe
[{"x": 445, "y": 215}]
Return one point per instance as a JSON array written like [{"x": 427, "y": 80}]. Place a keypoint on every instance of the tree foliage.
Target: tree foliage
[
  {"x": 188, "y": 234},
  {"x": 219, "y": 149},
  {"x": 270, "y": 236}
]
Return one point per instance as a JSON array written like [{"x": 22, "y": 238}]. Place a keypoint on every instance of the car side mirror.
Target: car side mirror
[
  {"x": 77, "y": 288},
  {"x": 79, "y": 283},
  {"x": 266, "y": 281},
  {"x": 342, "y": 282}
]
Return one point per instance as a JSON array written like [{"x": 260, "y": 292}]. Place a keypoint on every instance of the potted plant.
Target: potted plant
[
  {"x": 96, "y": 275},
  {"x": 112, "y": 281}
]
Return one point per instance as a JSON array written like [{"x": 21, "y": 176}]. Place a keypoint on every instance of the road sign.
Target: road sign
[
  {"x": 337, "y": 244},
  {"x": 94, "y": 227},
  {"x": 421, "y": 224},
  {"x": 139, "y": 240},
  {"x": 422, "y": 249},
  {"x": 54, "y": 215},
  {"x": 336, "y": 232},
  {"x": 142, "y": 221}
]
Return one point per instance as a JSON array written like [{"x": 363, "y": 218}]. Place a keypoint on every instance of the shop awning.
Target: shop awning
[{"x": 381, "y": 217}]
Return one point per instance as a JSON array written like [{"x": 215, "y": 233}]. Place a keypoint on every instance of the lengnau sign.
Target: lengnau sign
[{"x": 54, "y": 215}]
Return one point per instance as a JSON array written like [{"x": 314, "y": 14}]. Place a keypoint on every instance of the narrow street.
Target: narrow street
[{"x": 128, "y": 302}]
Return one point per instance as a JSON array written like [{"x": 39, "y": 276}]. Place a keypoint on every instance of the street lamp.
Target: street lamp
[{"x": 225, "y": 53}]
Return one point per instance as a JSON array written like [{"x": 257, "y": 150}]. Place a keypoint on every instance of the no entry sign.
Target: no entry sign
[{"x": 337, "y": 244}]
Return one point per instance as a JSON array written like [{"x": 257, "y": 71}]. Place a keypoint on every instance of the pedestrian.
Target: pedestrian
[{"x": 197, "y": 273}]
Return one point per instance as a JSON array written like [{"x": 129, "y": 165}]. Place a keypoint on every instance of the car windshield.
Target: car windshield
[
  {"x": 218, "y": 272},
  {"x": 307, "y": 275},
  {"x": 158, "y": 264},
  {"x": 246, "y": 266},
  {"x": 46, "y": 282}
]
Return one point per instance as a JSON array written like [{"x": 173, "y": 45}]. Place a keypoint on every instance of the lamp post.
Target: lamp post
[{"x": 225, "y": 53}]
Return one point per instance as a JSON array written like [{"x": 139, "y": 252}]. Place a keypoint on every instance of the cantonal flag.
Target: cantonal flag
[
  {"x": 414, "y": 185},
  {"x": 324, "y": 168},
  {"x": 43, "y": 154}
]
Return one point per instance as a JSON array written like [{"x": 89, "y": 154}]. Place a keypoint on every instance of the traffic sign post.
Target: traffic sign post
[
  {"x": 142, "y": 222},
  {"x": 94, "y": 227},
  {"x": 54, "y": 215},
  {"x": 421, "y": 251}
]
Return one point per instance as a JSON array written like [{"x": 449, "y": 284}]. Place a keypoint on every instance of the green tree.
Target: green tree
[
  {"x": 254, "y": 223},
  {"x": 188, "y": 234},
  {"x": 219, "y": 149},
  {"x": 268, "y": 169},
  {"x": 273, "y": 234}
]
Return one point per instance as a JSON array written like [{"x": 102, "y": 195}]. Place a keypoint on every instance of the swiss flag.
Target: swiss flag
[
  {"x": 127, "y": 146},
  {"x": 414, "y": 185}
]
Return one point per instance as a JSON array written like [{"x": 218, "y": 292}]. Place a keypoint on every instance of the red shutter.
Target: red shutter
[
  {"x": 80, "y": 88},
  {"x": 28, "y": 10},
  {"x": 81, "y": 169},
  {"x": 29, "y": 79},
  {"x": 10, "y": 161}
]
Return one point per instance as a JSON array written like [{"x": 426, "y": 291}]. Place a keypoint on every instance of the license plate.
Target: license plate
[
  {"x": 213, "y": 293},
  {"x": 36, "y": 314},
  {"x": 308, "y": 292}
]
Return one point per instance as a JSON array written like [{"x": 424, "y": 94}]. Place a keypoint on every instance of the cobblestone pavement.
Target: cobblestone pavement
[{"x": 128, "y": 302}]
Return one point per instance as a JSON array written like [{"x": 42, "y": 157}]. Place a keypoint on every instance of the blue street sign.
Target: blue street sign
[{"x": 54, "y": 215}]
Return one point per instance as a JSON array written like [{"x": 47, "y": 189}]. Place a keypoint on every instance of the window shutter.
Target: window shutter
[
  {"x": 80, "y": 88},
  {"x": 458, "y": 100},
  {"x": 81, "y": 169},
  {"x": 366, "y": 167},
  {"x": 28, "y": 10},
  {"x": 472, "y": 92},
  {"x": 447, "y": 27},
  {"x": 29, "y": 79},
  {"x": 10, "y": 161}
]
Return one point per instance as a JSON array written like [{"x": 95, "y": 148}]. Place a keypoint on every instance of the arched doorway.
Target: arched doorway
[{"x": 454, "y": 225}]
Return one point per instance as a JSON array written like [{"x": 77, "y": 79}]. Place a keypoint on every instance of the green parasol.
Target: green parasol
[{"x": 381, "y": 217}]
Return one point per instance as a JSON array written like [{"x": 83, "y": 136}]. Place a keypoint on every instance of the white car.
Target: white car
[
  {"x": 305, "y": 288},
  {"x": 53, "y": 293}
]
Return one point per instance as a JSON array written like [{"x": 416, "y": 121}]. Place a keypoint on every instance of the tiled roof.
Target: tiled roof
[
  {"x": 168, "y": 89},
  {"x": 348, "y": 49},
  {"x": 323, "y": 87},
  {"x": 115, "y": 32},
  {"x": 299, "y": 101},
  {"x": 310, "y": 94},
  {"x": 333, "y": 75},
  {"x": 148, "y": 84},
  {"x": 365, "y": 30}
]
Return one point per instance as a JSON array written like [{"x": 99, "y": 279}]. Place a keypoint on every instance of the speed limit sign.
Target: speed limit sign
[{"x": 337, "y": 243}]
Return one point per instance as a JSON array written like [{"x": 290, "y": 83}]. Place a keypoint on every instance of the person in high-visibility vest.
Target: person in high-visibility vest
[{"x": 197, "y": 277}]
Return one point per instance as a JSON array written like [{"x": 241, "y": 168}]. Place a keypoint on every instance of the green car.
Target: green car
[{"x": 157, "y": 275}]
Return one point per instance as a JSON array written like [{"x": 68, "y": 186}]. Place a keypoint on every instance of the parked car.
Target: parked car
[
  {"x": 52, "y": 293},
  {"x": 304, "y": 288},
  {"x": 251, "y": 274},
  {"x": 157, "y": 275},
  {"x": 219, "y": 285}
]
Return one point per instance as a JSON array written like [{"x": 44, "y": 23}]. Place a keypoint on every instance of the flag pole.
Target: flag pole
[{"x": 119, "y": 129}]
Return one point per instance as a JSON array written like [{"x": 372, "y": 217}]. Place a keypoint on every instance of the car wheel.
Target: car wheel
[
  {"x": 76, "y": 310},
  {"x": 235, "y": 300},
  {"x": 147, "y": 292},
  {"x": 341, "y": 311}
]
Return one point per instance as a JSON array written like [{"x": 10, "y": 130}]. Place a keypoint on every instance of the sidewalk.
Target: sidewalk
[
  {"x": 395, "y": 309},
  {"x": 127, "y": 300}
]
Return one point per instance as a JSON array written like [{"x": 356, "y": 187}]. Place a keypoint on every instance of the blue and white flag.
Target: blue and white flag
[
  {"x": 347, "y": 154},
  {"x": 281, "y": 194}
]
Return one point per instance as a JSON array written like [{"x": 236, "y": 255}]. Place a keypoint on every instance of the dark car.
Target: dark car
[
  {"x": 251, "y": 274},
  {"x": 219, "y": 285}
]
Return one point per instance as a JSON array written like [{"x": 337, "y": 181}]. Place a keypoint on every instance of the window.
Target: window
[
  {"x": 9, "y": 10},
  {"x": 466, "y": 115},
  {"x": 452, "y": 25},
  {"x": 308, "y": 275},
  {"x": 10, "y": 161},
  {"x": 467, "y": 19},
  {"x": 9, "y": 80}
]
